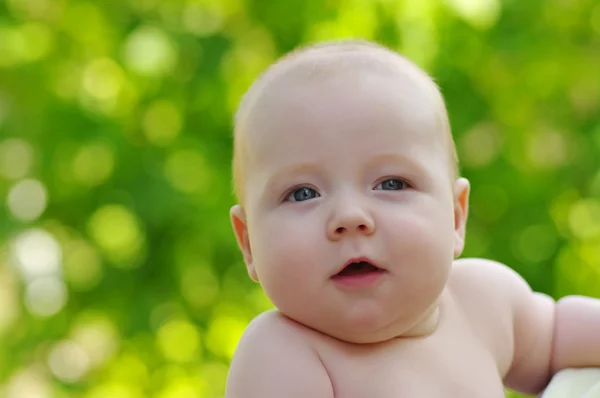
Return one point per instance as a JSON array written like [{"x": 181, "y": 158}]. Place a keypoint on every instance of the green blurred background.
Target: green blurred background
[{"x": 119, "y": 275}]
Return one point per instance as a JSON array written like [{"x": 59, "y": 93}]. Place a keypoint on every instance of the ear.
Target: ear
[
  {"x": 238, "y": 222},
  {"x": 461, "y": 211}
]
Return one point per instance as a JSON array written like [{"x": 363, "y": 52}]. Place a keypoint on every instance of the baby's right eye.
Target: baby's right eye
[{"x": 301, "y": 194}]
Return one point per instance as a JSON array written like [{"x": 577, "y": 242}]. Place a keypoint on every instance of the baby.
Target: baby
[{"x": 351, "y": 216}]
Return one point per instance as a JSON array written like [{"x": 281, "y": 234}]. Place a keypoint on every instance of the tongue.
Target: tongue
[{"x": 357, "y": 269}]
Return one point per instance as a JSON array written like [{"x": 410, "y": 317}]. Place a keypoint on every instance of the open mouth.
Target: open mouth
[{"x": 358, "y": 268}]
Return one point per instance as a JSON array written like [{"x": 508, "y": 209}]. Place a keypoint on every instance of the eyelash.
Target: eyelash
[
  {"x": 406, "y": 184},
  {"x": 295, "y": 189},
  {"x": 404, "y": 181}
]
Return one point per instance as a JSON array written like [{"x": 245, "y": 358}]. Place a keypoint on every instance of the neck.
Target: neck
[{"x": 425, "y": 326}]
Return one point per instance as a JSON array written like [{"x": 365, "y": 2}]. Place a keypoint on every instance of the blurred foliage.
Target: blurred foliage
[{"x": 119, "y": 276}]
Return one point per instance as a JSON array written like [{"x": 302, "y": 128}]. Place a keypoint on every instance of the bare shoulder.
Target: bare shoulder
[
  {"x": 515, "y": 322},
  {"x": 482, "y": 285},
  {"x": 274, "y": 358},
  {"x": 490, "y": 279},
  {"x": 495, "y": 281},
  {"x": 487, "y": 292},
  {"x": 480, "y": 269}
]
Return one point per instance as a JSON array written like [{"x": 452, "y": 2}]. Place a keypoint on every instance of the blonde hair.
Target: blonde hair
[{"x": 320, "y": 61}]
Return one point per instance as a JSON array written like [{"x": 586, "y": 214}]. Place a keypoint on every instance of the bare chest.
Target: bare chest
[
  {"x": 419, "y": 379},
  {"x": 453, "y": 366}
]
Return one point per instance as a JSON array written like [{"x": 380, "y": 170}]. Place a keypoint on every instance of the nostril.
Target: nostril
[{"x": 361, "y": 227}]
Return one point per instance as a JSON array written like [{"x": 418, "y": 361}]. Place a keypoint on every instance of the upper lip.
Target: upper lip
[{"x": 357, "y": 260}]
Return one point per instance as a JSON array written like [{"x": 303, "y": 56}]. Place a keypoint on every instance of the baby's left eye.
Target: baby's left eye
[{"x": 392, "y": 184}]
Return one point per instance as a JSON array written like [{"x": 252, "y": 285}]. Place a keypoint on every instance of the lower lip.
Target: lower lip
[{"x": 359, "y": 280}]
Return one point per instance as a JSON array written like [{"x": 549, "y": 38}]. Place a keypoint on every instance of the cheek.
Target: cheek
[
  {"x": 425, "y": 237},
  {"x": 286, "y": 245},
  {"x": 292, "y": 230},
  {"x": 289, "y": 259},
  {"x": 425, "y": 254}
]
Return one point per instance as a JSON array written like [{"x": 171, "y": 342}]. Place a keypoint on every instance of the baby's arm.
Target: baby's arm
[
  {"x": 576, "y": 333},
  {"x": 550, "y": 336},
  {"x": 273, "y": 360}
]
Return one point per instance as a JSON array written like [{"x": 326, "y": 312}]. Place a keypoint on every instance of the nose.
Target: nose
[{"x": 349, "y": 219}]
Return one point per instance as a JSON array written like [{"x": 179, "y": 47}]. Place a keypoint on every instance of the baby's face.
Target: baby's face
[{"x": 350, "y": 169}]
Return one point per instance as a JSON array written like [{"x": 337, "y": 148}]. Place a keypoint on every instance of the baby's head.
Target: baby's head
[{"x": 343, "y": 153}]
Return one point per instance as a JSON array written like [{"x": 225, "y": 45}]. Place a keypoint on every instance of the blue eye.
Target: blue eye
[
  {"x": 391, "y": 184},
  {"x": 302, "y": 194}
]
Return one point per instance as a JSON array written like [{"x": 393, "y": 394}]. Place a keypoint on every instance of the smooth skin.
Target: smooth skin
[{"x": 355, "y": 165}]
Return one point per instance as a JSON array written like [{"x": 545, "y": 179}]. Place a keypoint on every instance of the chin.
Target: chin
[
  {"x": 366, "y": 320},
  {"x": 358, "y": 337},
  {"x": 377, "y": 326},
  {"x": 365, "y": 327}
]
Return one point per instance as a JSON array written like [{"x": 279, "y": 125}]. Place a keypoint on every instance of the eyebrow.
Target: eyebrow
[
  {"x": 412, "y": 162},
  {"x": 288, "y": 171},
  {"x": 404, "y": 160}
]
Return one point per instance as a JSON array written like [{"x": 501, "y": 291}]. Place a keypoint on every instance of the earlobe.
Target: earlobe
[
  {"x": 461, "y": 212},
  {"x": 239, "y": 224}
]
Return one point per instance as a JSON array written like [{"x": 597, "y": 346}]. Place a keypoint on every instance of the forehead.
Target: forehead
[
  {"x": 310, "y": 97},
  {"x": 319, "y": 65},
  {"x": 353, "y": 105}
]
